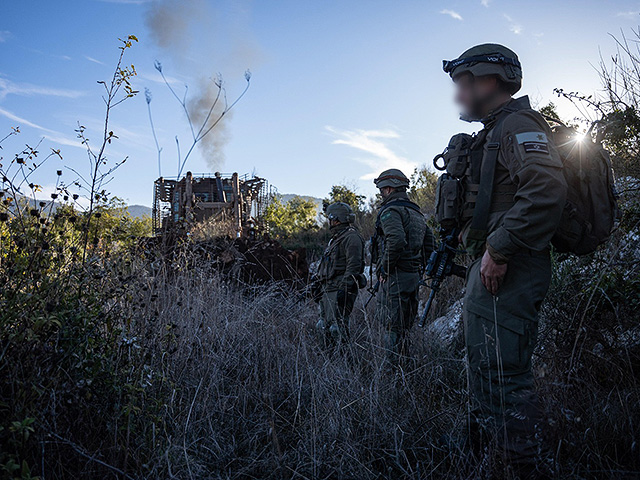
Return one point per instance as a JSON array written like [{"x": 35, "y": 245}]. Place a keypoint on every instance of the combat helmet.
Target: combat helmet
[
  {"x": 392, "y": 178},
  {"x": 488, "y": 59},
  {"x": 341, "y": 212}
]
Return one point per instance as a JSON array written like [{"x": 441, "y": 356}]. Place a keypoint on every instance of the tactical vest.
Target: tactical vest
[
  {"x": 395, "y": 203},
  {"x": 327, "y": 269},
  {"x": 458, "y": 189},
  {"x": 377, "y": 241}
]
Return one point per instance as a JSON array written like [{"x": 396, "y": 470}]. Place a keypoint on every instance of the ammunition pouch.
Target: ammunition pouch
[
  {"x": 448, "y": 200},
  {"x": 449, "y": 192},
  {"x": 457, "y": 155}
]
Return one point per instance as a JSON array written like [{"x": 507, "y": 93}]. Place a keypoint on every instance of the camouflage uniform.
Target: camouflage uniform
[
  {"x": 501, "y": 331},
  {"x": 340, "y": 274},
  {"x": 403, "y": 239}
]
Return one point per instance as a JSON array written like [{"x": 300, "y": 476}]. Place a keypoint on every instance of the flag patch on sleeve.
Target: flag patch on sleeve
[{"x": 533, "y": 142}]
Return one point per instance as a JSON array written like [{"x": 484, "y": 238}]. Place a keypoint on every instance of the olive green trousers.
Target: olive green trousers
[
  {"x": 500, "y": 335},
  {"x": 397, "y": 307},
  {"x": 335, "y": 309}
]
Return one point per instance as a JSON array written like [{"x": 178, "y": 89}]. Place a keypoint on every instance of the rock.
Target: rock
[{"x": 445, "y": 329}]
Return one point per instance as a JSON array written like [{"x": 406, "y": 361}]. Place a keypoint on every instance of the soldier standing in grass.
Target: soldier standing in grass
[
  {"x": 401, "y": 243},
  {"x": 340, "y": 273},
  {"x": 513, "y": 196}
]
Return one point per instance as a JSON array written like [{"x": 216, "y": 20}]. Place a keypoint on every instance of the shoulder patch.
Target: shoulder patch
[
  {"x": 533, "y": 142},
  {"x": 386, "y": 215},
  {"x": 531, "y": 137}
]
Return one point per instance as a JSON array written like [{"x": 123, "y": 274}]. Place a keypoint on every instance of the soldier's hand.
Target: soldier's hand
[
  {"x": 492, "y": 273},
  {"x": 382, "y": 274}
]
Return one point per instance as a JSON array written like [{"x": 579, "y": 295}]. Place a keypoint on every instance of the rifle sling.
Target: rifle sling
[{"x": 480, "y": 219}]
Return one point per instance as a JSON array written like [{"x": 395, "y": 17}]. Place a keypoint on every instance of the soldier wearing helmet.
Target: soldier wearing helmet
[
  {"x": 486, "y": 74},
  {"x": 513, "y": 193},
  {"x": 340, "y": 273},
  {"x": 400, "y": 246}
]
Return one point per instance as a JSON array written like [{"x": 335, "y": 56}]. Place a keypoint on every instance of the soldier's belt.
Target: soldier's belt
[
  {"x": 406, "y": 269},
  {"x": 503, "y": 198}
]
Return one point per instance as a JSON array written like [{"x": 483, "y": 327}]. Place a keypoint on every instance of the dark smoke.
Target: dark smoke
[
  {"x": 187, "y": 32},
  {"x": 169, "y": 21},
  {"x": 199, "y": 105}
]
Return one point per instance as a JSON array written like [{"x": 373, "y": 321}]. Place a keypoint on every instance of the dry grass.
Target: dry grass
[
  {"x": 252, "y": 394},
  {"x": 214, "y": 227},
  {"x": 189, "y": 374}
]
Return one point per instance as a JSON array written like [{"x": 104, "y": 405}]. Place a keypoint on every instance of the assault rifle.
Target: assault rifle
[
  {"x": 441, "y": 265},
  {"x": 373, "y": 290}
]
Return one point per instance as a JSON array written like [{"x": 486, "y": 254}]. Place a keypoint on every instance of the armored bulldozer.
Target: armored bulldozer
[{"x": 239, "y": 200}]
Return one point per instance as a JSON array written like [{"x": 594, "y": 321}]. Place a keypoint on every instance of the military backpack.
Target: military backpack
[{"x": 591, "y": 211}]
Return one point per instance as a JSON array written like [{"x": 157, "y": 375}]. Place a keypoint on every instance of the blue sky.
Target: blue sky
[{"x": 340, "y": 89}]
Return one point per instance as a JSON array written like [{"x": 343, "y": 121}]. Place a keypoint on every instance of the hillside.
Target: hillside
[
  {"x": 136, "y": 211},
  {"x": 288, "y": 196},
  {"x": 139, "y": 211}
]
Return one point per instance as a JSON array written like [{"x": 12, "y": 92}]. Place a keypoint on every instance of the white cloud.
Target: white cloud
[
  {"x": 514, "y": 26},
  {"x": 23, "y": 121},
  {"x": 452, "y": 13},
  {"x": 7, "y": 87},
  {"x": 372, "y": 142},
  {"x": 630, "y": 14},
  {"x": 49, "y": 134},
  {"x": 155, "y": 77},
  {"x": 91, "y": 59},
  {"x": 485, "y": 3},
  {"x": 4, "y": 35}
]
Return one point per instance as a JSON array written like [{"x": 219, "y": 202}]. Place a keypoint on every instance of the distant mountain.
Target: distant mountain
[
  {"x": 288, "y": 196},
  {"x": 318, "y": 201},
  {"x": 139, "y": 211},
  {"x": 136, "y": 211}
]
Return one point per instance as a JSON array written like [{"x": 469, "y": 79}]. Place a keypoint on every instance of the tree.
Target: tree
[
  {"x": 115, "y": 225},
  {"x": 345, "y": 194},
  {"x": 615, "y": 113},
  {"x": 550, "y": 110},
  {"x": 292, "y": 217},
  {"x": 423, "y": 189}
]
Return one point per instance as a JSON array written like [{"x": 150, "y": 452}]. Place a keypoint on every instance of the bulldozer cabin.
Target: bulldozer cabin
[{"x": 181, "y": 202}]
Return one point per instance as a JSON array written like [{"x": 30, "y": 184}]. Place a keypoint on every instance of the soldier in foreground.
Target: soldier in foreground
[
  {"x": 400, "y": 246},
  {"x": 340, "y": 274},
  {"x": 513, "y": 193}
]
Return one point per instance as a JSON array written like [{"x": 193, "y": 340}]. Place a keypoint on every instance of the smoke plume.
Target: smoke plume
[
  {"x": 198, "y": 41},
  {"x": 169, "y": 21},
  {"x": 199, "y": 106}
]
